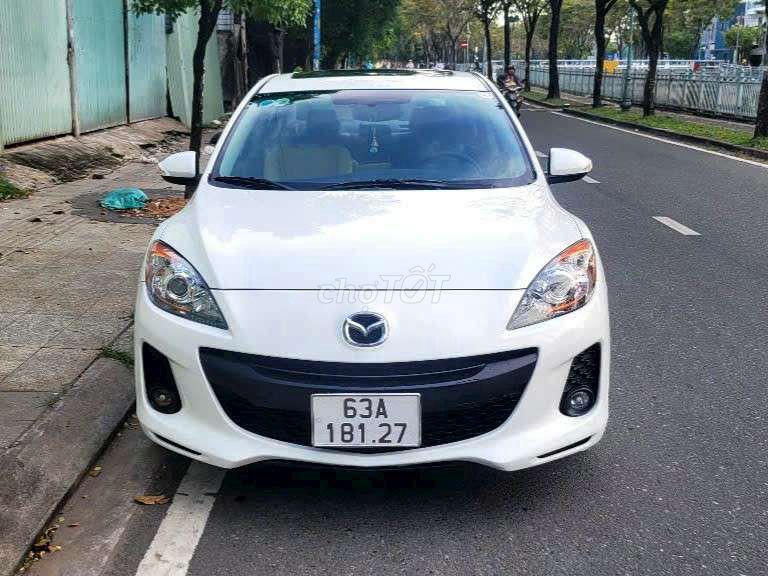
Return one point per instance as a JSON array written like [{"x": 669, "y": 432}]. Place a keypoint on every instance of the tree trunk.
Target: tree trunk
[
  {"x": 488, "y": 47},
  {"x": 554, "y": 33},
  {"x": 597, "y": 91},
  {"x": 649, "y": 93},
  {"x": 209, "y": 15},
  {"x": 528, "y": 50},
  {"x": 761, "y": 131},
  {"x": 507, "y": 38},
  {"x": 653, "y": 41}
]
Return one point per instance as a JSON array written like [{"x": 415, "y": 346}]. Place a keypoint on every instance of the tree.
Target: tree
[
  {"x": 577, "y": 37},
  {"x": 353, "y": 29},
  {"x": 506, "y": 6},
  {"x": 743, "y": 38},
  {"x": 650, "y": 13},
  {"x": 602, "y": 8},
  {"x": 685, "y": 20},
  {"x": 274, "y": 11},
  {"x": 555, "y": 7},
  {"x": 456, "y": 14},
  {"x": 530, "y": 11},
  {"x": 761, "y": 130},
  {"x": 486, "y": 11}
]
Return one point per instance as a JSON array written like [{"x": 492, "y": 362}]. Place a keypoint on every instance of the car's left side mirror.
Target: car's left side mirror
[
  {"x": 567, "y": 166},
  {"x": 180, "y": 169}
]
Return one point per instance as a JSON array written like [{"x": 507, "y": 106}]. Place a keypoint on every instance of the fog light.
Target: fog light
[
  {"x": 579, "y": 401},
  {"x": 164, "y": 400}
]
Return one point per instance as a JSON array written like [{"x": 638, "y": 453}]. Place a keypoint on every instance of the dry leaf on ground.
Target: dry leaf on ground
[{"x": 152, "y": 500}]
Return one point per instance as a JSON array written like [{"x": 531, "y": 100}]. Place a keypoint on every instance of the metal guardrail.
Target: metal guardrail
[{"x": 735, "y": 97}]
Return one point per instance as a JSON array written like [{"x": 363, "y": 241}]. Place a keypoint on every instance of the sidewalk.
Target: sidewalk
[{"x": 67, "y": 287}]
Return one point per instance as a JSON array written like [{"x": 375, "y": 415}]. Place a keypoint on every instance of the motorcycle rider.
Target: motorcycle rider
[
  {"x": 511, "y": 86},
  {"x": 509, "y": 80}
]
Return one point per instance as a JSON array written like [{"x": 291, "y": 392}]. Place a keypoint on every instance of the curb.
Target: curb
[
  {"x": 699, "y": 140},
  {"x": 543, "y": 104},
  {"x": 56, "y": 452}
]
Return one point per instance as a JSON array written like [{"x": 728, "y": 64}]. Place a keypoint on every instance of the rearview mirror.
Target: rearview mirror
[
  {"x": 567, "y": 166},
  {"x": 180, "y": 169}
]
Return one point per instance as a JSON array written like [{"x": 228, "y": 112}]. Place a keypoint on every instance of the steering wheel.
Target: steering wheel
[{"x": 439, "y": 161}]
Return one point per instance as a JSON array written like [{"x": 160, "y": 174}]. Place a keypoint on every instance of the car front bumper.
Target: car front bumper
[{"x": 303, "y": 325}]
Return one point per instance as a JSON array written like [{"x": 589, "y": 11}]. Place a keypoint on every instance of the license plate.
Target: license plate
[{"x": 372, "y": 420}]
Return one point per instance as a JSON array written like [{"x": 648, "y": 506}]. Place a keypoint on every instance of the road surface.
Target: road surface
[{"x": 678, "y": 486}]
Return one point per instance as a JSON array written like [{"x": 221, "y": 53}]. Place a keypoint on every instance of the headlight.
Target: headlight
[
  {"x": 176, "y": 287},
  {"x": 564, "y": 285}
]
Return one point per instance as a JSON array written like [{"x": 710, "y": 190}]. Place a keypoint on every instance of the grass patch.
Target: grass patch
[
  {"x": 125, "y": 358},
  {"x": 686, "y": 127},
  {"x": 8, "y": 191}
]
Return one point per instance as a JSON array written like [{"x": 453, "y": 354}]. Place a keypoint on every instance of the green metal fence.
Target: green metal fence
[
  {"x": 99, "y": 39},
  {"x": 34, "y": 76},
  {"x": 78, "y": 65},
  {"x": 181, "y": 46},
  {"x": 146, "y": 67}
]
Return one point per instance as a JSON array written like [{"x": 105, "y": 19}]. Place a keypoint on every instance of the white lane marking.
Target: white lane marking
[
  {"x": 675, "y": 225},
  {"x": 174, "y": 544},
  {"x": 541, "y": 154},
  {"x": 665, "y": 140},
  {"x": 590, "y": 180}
]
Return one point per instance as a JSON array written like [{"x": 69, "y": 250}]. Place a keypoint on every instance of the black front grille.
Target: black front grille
[{"x": 460, "y": 398}]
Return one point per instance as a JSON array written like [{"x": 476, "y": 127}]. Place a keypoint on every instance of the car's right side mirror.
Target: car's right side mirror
[{"x": 567, "y": 166}]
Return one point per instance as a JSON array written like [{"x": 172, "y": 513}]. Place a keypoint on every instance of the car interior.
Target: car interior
[{"x": 318, "y": 138}]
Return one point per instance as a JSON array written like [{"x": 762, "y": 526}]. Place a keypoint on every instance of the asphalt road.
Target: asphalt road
[{"x": 679, "y": 485}]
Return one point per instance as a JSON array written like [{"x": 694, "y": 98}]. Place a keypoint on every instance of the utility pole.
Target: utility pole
[
  {"x": 626, "y": 100},
  {"x": 318, "y": 37}
]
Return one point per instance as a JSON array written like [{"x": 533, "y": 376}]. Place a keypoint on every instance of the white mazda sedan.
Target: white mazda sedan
[{"x": 373, "y": 272}]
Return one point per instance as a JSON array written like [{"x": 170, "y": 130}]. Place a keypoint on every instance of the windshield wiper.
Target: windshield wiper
[
  {"x": 251, "y": 182},
  {"x": 389, "y": 183}
]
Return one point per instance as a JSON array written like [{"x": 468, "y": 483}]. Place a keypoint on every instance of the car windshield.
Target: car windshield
[{"x": 384, "y": 138}]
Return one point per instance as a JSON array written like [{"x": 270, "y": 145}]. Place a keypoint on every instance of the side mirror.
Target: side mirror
[
  {"x": 567, "y": 166},
  {"x": 180, "y": 169}
]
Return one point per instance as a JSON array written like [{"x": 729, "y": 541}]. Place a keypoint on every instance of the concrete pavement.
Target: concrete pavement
[
  {"x": 677, "y": 486},
  {"x": 67, "y": 288}
]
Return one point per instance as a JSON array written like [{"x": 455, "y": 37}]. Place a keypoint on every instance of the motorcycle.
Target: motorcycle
[{"x": 515, "y": 98}]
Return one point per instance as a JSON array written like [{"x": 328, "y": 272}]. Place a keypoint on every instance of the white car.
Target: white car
[{"x": 373, "y": 272}]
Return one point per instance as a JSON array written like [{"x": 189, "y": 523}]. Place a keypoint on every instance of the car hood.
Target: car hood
[{"x": 400, "y": 239}]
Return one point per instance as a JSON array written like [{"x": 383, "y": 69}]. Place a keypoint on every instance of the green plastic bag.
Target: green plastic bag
[{"x": 125, "y": 199}]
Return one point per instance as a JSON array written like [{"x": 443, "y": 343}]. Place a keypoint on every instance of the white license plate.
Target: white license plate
[{"x": 373, "y": 420}]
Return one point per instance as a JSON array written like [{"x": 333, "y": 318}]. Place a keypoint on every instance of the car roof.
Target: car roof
[{"x": 385, "y": 79}]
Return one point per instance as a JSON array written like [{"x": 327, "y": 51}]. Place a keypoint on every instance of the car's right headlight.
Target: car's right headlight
[
  {"x": 175, "y": 286},
  {"x": 564, "y": 285}
]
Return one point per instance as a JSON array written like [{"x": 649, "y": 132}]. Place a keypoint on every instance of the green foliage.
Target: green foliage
[
  {"x": 8, "y": 191},
  {"x": 356, "y": 28},
  {"x": 125, "y": 358},
  {"x": 745, "y": 37},
  {"x": 685, "y": 19},
  {"x": 278, "y": 12},
  {"x": 577, "y": 29}
]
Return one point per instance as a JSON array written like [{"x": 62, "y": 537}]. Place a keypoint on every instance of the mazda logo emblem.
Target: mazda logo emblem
[{"x": 365, "y": 329}]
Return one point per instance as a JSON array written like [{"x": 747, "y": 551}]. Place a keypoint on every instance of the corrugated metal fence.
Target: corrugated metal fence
[
  {"x": 122, "y": 67},
  {"x": 34, "y": 76}
]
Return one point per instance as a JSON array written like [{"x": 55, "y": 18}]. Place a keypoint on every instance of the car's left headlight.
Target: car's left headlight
[
  {"x": 564, "y": 285},
  {"x": 175, "y": 286}
]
